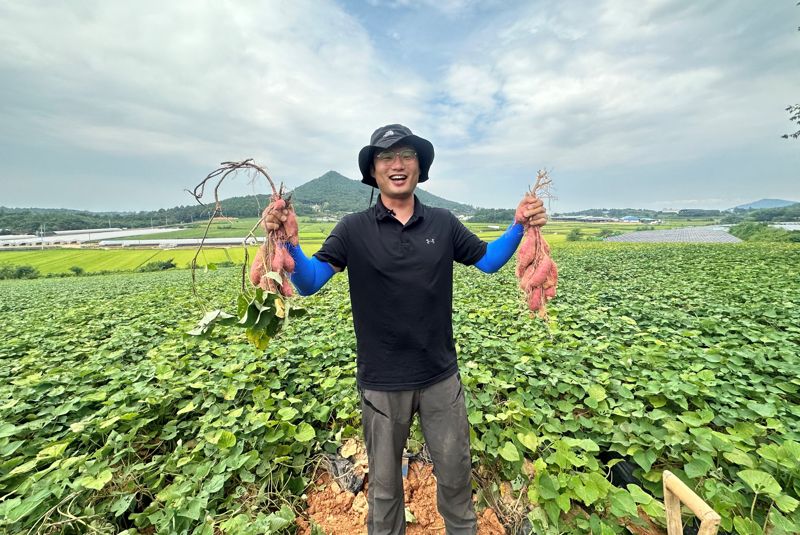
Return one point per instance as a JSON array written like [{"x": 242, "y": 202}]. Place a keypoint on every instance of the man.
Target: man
[{"x": 399, "y": 254}]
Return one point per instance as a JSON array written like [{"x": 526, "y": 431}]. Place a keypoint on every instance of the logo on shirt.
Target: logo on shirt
[{"x": 430, "y": 241}]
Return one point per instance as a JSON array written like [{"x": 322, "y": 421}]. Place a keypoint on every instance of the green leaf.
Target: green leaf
[
  {"x": 280, "y": 519},
  {"x": 767, "y": 410},
  {"x": 189, "y": 407},
  {"x": 739, "y": 457},
  {"x": 696, "y": 419},
  {"x": 509, "y": 452},
  {"x": 745, "y": 526},
  {"x": 304, "y": 432},
  {"x": 54, "y": 450},
  {"x": 226, "y": 439},
  {"x": 590, "y": 487},
  {"x": 548, "y": 487},
  {"x": 121, "y": 505},
  {"x": 786, "y": 503},
  {"x": 194, "y": 508},
  {"x": 645, "y": 459},
  {"x": 95, "y": 482},
  {"x": 25, "y": 467},
  {"x": 221, "y": 438},
  {"x": 210, "y": 319},
  {"x": 586, "y": 444},
  {"x": 27, "y": 506},
  {"x": 7, "y": 430},
  {"x": 529, "y": 440},
  {"x": 597, "y": 392},
  {"x": 249, "y": 316},
  {"x": 622, "y": 504},
  {"x": 760, "y": 482},
  {"x": 287, "y": 413},
  {"x": 696, "y": 468},
  {"x": 410, "y": 518},
  {"x": 638, "y": 495},
  {"x": 563, "y": 502}
]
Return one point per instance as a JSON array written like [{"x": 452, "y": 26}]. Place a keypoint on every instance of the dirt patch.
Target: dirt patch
[{"x": 339, "y": 512}]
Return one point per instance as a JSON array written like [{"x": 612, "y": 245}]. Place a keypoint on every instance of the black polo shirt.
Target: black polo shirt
[{"x": 401, "y": 290}]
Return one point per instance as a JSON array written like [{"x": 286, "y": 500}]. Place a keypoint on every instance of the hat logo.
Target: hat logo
[{"x": 389, "y": 133}]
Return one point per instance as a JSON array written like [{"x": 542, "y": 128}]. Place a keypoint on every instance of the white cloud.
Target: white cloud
[
  {"x": 206, "y": 80},
  {"x": 501, "y": 88}
]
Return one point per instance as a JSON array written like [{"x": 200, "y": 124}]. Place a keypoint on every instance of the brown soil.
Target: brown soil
[{"x": 339, "y": 512}]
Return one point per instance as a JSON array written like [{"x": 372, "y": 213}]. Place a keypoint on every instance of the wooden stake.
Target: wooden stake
[{"x": 675, "y": 492}]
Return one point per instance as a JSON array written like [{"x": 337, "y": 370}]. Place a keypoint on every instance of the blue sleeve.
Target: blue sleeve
[
  {"x": 500, "y": 250},
  {"x": 310, "y": 274}
]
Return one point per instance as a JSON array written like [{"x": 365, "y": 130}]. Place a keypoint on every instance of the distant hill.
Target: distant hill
[
  {"x": 787, "y": 213},
  {"x": 764, "y": 203},
  {"x": 332, "y": 195},
  {"x": 335, "y": 194}
]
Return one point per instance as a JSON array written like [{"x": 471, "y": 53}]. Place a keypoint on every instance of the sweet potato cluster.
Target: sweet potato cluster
[
  {"x": 273, "y": 256},
  {"x": 536, "y": 271}
]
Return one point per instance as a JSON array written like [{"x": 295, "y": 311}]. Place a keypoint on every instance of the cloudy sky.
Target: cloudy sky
[{"x": 629, "y": 103}]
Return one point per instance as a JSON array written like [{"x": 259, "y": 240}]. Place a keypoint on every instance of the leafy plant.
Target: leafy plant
[{"x": 679, "y": 357}]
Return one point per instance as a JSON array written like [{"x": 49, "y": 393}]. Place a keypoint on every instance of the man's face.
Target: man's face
[{"x": 396, "y": 171}]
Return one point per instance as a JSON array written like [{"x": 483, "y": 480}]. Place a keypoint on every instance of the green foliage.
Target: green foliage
[
  {"x": 18, "y": 272},
  {"x": 783, "y": 213},
  {"x": 697, "y": 212},
  {"x": 261, "y": 313},
  {"x": 606, "y": 232},
  {"x": 679, "y": 357},
  {"x": 503, "y": 216},
  {"x": 77, "y": 270},
  {"x": 794, "y": 116},
  {"x": 761, "y": 232},
  {"x": 158, "y": 265},
  {"x": 574, "y": 235}
]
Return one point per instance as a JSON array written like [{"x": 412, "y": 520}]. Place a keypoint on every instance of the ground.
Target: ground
[{"x": 340, "y": 512}]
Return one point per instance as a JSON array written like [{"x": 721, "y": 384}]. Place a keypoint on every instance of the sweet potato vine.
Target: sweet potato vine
[{"x": 263, "y": 307}]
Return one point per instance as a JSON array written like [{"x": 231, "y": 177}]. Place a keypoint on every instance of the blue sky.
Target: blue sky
[{"x": 652, "y": 104}]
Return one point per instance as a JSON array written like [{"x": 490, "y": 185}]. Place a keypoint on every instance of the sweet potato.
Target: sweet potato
[
  {"x": 273, "y": 255},
  {"x": 536, "y": 271}
]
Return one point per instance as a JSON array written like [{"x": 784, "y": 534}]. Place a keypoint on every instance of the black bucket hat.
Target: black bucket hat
[{"x": 388, "y": 136}]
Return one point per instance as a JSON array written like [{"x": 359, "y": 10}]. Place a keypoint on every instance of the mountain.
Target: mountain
[
  {"x": 764, "y": 203},
  {"x": 335, "y": 194},
  {"x": 331, "y": 195}
]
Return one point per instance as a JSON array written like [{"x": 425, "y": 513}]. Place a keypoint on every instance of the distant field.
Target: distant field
[
  {"x": 54, "y": 261},
  {"x": 317, "y": 231},
  {"x": 238, "y": 229},
  {"x": 312, "y": 234}
]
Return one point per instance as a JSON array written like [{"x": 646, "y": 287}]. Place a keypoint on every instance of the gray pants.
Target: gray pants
[{"x": 387, "y": 420}]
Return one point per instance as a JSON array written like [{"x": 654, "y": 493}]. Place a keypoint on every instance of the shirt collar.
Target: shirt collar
[{"x": 381, "y": 212}]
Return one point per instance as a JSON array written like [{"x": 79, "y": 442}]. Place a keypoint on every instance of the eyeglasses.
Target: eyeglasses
[{"x": 388, "y": 156}]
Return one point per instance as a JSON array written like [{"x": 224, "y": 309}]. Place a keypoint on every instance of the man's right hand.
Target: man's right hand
[
  {"x": 285, "y": 219},
  {"x": 274, "y": 219}
]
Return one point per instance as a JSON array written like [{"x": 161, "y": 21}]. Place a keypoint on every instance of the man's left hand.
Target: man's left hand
[{"x": 531, "y": 211}]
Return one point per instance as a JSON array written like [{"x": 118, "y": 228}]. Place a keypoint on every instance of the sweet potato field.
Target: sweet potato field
[{"x": 674, "y": 357}]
